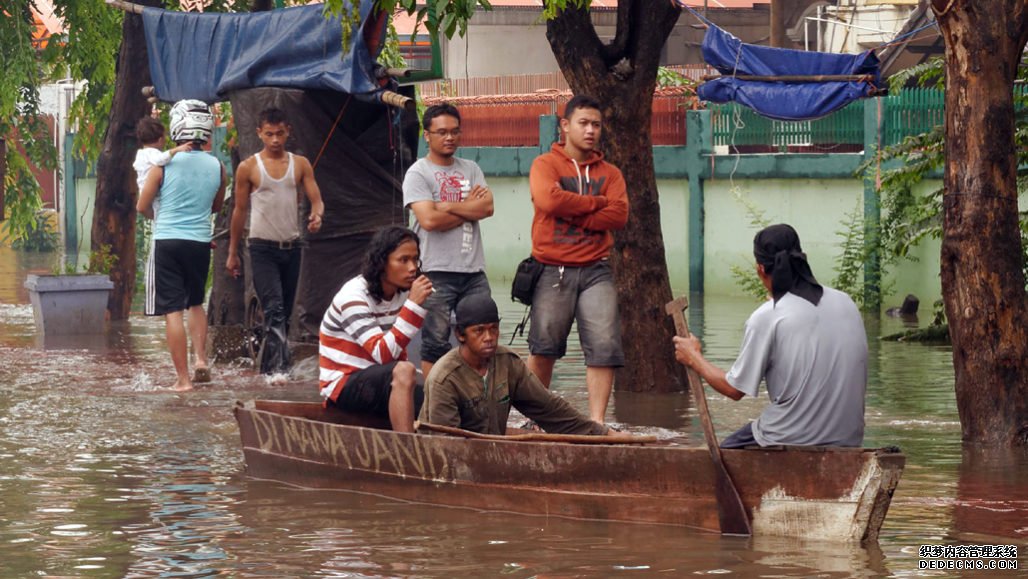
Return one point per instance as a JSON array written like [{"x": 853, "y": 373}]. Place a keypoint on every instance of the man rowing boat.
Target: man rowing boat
[{"x": 807, "y": 343}]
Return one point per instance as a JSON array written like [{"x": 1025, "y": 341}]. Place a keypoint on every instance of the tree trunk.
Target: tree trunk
[
  {"x": 622, "y": 76},
  {"x": 983, "y": 284},
  {"x": 778, "y": 38},
  {"x": 114, "y": 213},
  {"x": 3, "y": 174}
]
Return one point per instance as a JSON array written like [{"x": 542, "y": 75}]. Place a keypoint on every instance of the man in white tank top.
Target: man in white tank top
[{"x": 268, "y": 188}]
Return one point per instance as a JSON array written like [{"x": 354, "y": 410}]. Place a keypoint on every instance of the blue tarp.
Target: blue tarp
[
  {"x": 779, "y": 100},
  {"x": 206, "y": 56}
]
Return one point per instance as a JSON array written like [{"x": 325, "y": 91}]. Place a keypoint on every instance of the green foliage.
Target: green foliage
[
  {"x": 745, "y": 274},
  {"x": 849, "y": 265},
  {"x": 93, "y": 34},
  {"x": 552, "y": 8},
  {"x": 101, "y": 260},
  {"x": 63, "y": 268},
  {"x": 22, "y": 191},
  {"x": 909, "y": 217},
  {"x": 448, "y": 17},
  {"x": 38, "y": 236},
  {"x": 849, "y": 270},
  {"x": 223, "y": 113},
  {"x": 930, "y": 73},
  {"x": 391, "y": 56},
  {"x": 667, "y": 77},
  {"x": 747, "y": 280},
  {"x": 89, "y": 52}
]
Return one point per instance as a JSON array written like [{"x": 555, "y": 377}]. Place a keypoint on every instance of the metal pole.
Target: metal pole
[{"x": 818, "y": 47}]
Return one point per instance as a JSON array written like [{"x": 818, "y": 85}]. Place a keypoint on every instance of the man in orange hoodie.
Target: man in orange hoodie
[{"x": 579, "y": 199}]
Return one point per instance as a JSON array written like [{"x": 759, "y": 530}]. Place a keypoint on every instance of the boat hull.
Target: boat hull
[{"x": 835, "y": 494}]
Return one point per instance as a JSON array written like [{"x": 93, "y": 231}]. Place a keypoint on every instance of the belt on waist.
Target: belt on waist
[{"x": 291, "y": 244}]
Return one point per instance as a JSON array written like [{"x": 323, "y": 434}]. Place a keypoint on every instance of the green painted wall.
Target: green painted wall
[
  {"x": 818, "y": 209},
  {"x": 815, "y": 207},
  {"x": 85, "y": 197},
  {"x": 507, "y": 234}
]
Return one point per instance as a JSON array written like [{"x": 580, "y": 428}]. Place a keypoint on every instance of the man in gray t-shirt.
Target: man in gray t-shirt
[
  {"x": 807, "y": 343},
  {"x": 448, "y": 197}
]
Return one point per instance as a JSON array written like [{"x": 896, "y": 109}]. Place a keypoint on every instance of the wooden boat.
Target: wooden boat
[{"x": 816, "y": 493}]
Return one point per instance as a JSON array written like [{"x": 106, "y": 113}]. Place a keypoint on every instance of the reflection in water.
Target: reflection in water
[
  {"x": 992, "y": 492},
  {"x": 104, "y": 474}
]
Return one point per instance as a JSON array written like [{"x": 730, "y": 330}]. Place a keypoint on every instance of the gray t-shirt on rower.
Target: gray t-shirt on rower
[
  {"x": 456, "y": 250},
  {"x": 814, "y": 360}
]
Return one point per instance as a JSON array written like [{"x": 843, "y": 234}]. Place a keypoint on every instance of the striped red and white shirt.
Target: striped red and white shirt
[{"x": 358, "y": 332}]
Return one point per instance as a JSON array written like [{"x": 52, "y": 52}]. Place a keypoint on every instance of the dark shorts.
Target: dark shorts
[
  {"x": 367, "y": 391},
  {"x": 176, "y": 275},
  {"x": 583, "y": 294}
]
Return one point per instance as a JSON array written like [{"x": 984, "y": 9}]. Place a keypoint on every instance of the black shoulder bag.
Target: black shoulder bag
[
  {"x": 523, "y": 287},
  {"x": 525, "y": 278}
]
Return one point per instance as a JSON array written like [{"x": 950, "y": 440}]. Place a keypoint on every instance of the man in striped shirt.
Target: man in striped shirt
[{"x": 365, "y": 332}]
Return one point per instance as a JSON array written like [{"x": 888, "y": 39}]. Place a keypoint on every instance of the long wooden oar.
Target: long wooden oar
[
  {"x": 539, "y": 437},
  {"x": 730, "y": 510}
]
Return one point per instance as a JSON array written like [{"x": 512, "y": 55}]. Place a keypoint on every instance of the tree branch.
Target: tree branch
[
  {"x": 651, "y": 23},
  {"x": 576, "y": 46},
  {"x": 615, "y": 51}
]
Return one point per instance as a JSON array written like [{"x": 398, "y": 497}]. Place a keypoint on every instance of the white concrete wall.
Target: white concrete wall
[{"x": 885, "y": 18}]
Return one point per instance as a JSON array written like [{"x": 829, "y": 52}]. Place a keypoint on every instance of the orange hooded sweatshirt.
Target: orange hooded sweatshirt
[{"x": 577, "y": 205}]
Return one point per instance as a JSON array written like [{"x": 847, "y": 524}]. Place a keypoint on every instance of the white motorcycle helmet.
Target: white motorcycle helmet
[{"x": 191, "y": 120}]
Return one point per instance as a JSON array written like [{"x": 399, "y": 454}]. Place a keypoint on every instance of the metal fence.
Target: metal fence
[
  {"x": 907, "y": 113},
  {"x": 509, "y": 116},
  {"x": 512, "y": 120}
]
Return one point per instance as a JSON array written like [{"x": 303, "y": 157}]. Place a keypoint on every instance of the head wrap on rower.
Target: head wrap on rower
[
  {"x": 476, "y": 309},
  {"x": 777, "y": 248}
]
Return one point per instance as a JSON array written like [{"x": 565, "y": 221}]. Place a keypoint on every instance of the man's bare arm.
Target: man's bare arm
[
  {"x": 688, "y": 352},
  {"x": 240, "y": 208},
  {"x": 313, "y": 192}
]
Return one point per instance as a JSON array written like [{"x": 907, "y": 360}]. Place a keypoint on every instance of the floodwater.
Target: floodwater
[{"x": 104, "y": 474}]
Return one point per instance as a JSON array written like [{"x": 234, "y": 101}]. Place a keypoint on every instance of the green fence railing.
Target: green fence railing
[{"x": 910, "y": 112}]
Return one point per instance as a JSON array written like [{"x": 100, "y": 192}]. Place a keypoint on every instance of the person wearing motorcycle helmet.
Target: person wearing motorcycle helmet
[{"x": 189, "y": 189}]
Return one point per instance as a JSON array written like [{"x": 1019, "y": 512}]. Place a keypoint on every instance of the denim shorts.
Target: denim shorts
[{"x": 585, "y": 294}]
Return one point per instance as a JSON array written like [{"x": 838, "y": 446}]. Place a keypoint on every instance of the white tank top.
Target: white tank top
[{"x": 274, "y": 206}]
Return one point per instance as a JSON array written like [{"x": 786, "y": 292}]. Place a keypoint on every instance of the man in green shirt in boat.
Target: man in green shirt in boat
[{"x": 475, "y": 385}]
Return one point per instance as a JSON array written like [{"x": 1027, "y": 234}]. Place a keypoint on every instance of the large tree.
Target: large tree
[
  {"x": 622, "y": 75},
  {"x": 983, "y": 283},
  {"x": 114, "y": 213}
]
